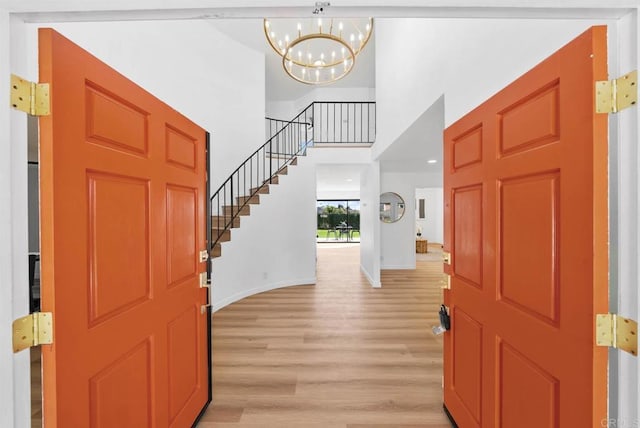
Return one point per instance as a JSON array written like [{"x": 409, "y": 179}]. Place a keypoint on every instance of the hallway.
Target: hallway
[{"x": 337, "y": 354}]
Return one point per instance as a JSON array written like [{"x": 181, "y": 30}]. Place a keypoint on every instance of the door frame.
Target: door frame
[{"x": 14, "y": 396}]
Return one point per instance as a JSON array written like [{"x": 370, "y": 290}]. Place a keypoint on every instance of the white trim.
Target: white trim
[
  {"x": 7, "y": 411},
  {"x": 216, "y": 306},
  {"x": 375, "y": 284},
  {"x": 624, "y": 390}
]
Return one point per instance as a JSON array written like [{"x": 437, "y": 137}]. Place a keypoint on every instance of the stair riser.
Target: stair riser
[
  {"x": 228, "y": 210},
  {"x": 220, "y": 222},
  {"x": 264, "y": 190},
  {"x": 221, "y": 237},
  {"x": 251, "y": 200},
  {"x": 217, "y": 251}
]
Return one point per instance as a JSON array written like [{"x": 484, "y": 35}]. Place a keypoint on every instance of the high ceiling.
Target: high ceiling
[{"x": 279, "y": 86}]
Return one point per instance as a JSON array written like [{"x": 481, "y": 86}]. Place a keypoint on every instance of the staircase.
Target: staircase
[{"x": 335, "y": 123}]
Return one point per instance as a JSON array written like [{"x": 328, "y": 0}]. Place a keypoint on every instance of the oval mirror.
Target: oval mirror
[{"x": 391, "y": 207}]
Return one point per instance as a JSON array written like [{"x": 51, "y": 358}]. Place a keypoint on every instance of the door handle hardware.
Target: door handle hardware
[
  {"x": 204, "y": 280},
  {"x": 445, "y": 282}
]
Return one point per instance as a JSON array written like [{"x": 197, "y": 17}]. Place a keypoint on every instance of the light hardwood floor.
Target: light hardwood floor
[{"x": 339, "y": 354}]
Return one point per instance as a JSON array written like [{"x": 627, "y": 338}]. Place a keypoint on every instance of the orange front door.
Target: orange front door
[
  {"x": 526, "y": 223},
  {"x": 122, "y": 188}
]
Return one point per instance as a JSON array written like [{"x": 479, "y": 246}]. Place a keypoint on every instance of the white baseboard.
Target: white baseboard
[
  {"x": 216, "y": 306},
  {"x": 376, "y": 284}
]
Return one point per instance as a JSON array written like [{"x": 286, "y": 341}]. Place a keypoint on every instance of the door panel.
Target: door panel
[
  {"x": 467, "y": 239},
  {"x": 526, "y": 223},
  {"x": 123, "y": 220}
]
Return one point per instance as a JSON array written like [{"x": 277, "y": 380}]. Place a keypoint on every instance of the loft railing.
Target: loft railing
[
  {"x": 273, "y": 126},
  {"x": 336, "y": 122},
  {"x": 320, "y": 122}
]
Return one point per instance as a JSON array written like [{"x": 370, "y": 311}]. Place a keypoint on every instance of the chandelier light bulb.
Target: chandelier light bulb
[{"x": 319, "y": 53}]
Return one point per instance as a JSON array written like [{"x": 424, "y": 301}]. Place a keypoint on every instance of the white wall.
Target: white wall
[
  {"x": 433, "y": 223},
  {"x": 276, "y": 245},
  {"x": 208, "y": 77},
  {"x": 397, "y": 240},
  {"x": 338, "y": 194},
  {"x": 273, "y": 247},
  {"x": 466, "y": 59},
  {"x": 370, "y": 223},
  {"x": 290, "y": 108}
]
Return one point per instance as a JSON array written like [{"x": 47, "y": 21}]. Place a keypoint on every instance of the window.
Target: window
[{"x": 338, "y": 220}]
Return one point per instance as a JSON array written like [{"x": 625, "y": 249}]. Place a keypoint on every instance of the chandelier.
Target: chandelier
[{"x": 318, "y": 51}]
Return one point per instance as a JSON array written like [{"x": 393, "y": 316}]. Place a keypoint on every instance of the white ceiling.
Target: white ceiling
[
  {"x": 344, "y": 178},
  {"x": 419, "y": 143},
  {"x": 279, "y": 86}
]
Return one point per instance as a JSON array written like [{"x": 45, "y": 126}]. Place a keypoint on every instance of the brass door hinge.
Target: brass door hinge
[
  {"x": 204, "y": 256},
  {"x": 446, "y": 257},
  {"x": 33, "y": 330},
  {"x": 445, "y": 282},
  {"x": 617, "y": 332},
  {"x": 617, "y": 94},
  {"x": 29, "y": 97}
]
